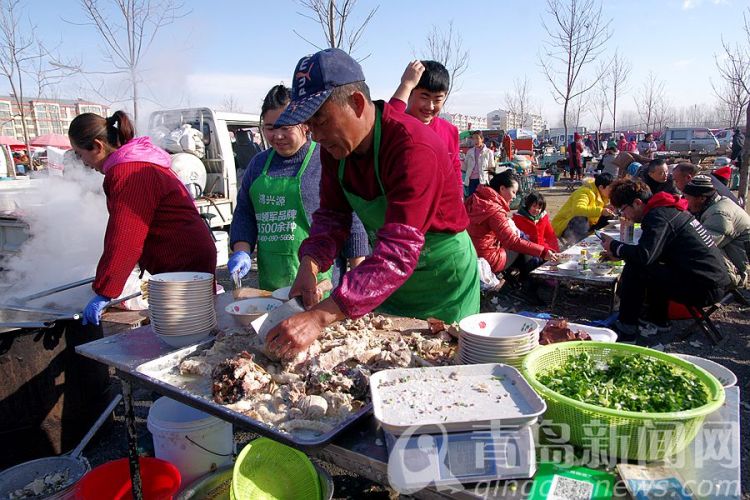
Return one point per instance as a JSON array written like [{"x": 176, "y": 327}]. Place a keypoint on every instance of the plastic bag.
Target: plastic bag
[
  {"x": 132, "y": 285},
  {"x": 171, "y": 141},
  {"x": 487, "y": 279},
  {"x": 191, "y": 141}
]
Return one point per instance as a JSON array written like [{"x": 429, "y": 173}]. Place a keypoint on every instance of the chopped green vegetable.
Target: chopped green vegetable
[{"x": 630, "y": 383}]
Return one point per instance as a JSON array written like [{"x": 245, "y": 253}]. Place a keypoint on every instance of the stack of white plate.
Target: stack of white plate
[
  {"x": 496, "y": 338},
  {"x": 181, "y": 307}
]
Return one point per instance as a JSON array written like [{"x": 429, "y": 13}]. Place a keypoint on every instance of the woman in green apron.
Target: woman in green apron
[{"x": 275, "y": 203}]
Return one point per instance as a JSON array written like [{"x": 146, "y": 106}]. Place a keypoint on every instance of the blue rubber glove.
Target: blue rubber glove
[
  {"x": 239, "y": 263},
  {"x": 94, "y": 309}
]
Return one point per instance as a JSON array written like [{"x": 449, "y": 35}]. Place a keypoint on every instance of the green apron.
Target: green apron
[
  {"x": 445, "y": 283},
  {"x": 282, "y": 225}
]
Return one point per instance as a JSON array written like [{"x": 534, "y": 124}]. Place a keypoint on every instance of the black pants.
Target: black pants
[{"x": 659, "y": 284}]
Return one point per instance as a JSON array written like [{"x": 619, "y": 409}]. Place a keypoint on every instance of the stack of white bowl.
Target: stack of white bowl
[
  {"x": 496, "y": 338},
  {"x": 181, "y": 307}
]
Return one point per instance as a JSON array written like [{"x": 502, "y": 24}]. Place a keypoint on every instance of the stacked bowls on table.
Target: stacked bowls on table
[
  {"x": 181, "y": 307},
  {"x": 496, "y": 338}
]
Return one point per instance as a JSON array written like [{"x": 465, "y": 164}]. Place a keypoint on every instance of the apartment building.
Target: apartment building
[
  {"x": 465, "y": 122},
  {"x": 507, "y": 120},
  {"x": 43, "y": 116}
]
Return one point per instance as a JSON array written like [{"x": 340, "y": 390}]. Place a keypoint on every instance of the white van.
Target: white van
[
  {"x": 224, "y": 158},
  {"x": 687, "y": 140}
]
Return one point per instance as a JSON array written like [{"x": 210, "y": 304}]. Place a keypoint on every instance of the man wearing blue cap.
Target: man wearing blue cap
[{"x": 397, "y": 176}]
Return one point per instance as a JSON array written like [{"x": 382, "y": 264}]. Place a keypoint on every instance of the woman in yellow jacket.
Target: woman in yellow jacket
[{"x": 584, "y": 211}]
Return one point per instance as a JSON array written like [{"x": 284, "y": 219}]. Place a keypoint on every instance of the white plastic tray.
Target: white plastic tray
[{"x": 453, "y": 398}]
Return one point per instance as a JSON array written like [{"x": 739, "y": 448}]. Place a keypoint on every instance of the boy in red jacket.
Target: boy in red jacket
[{"x": 532, "y": 219}]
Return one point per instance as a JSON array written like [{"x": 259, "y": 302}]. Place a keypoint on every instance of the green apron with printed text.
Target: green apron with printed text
[
  {"x": 445, "y": 283},
  {"x": 282, "y": 225}
]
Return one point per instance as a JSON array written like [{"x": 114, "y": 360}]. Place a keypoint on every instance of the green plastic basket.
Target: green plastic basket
[
  {"x": 266, "y": 470},
  {"x": 623, "y": 434}
]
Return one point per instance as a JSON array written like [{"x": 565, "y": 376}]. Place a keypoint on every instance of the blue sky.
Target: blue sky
[{"x": 240, "y": 48}]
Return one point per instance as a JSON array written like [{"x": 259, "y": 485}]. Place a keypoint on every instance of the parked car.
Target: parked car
[{"x": 686, "y": 140}]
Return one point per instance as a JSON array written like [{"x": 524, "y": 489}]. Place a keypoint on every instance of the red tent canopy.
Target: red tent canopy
[
  {"x": 55, "y": 140},
  {"x": 7, "y": 140}
]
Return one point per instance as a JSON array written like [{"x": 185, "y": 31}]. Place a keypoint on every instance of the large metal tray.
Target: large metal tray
[
  {"x": 453, "y": 398},
  {"x": 195, "y": 391}
]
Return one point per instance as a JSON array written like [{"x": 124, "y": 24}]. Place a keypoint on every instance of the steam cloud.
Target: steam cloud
[{"x": 67, "y": 217}]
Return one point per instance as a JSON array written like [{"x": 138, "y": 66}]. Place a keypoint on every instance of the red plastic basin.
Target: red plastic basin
[{"x": 160, "y": 480}]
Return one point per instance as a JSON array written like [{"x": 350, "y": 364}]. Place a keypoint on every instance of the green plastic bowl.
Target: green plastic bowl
[{"x": 630, "y": 435}]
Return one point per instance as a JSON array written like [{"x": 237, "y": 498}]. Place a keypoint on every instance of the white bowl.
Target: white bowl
[
  {"x": 600, "y": 269},
  {"x": 282, "y": 293},
  {"x": 183, "y": 340},
  {"x": 181, "y": 277},
  {"x": 497, "y": 325},
  {"x": 721, "y": 372},
  {"x": 245, "y": 311}
]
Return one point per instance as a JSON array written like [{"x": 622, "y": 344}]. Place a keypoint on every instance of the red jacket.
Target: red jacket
[
  {"x": 575, "y": 149},
  {"x": 491, "y": 231},
  {"x": 153, "y": 222},
  {"x": 539, "y": 232}
]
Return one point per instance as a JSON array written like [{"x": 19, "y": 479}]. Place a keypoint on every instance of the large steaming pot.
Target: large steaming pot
[{"x": 49, "y": 395}]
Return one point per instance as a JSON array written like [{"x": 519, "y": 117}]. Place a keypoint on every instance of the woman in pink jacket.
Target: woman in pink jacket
[{"x": 491, "y": 229}]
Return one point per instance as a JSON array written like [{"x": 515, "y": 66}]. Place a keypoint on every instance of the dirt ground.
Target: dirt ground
[{"x": 578, "y": 304}]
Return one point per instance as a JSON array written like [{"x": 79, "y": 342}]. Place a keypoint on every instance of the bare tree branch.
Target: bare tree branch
[
  {"x": 335, "y": 20},
  {"x": 617, "y": 76},
  {"x": 230, "y": 103},
  {"x": 447, "y": 48},
  {"x": 24, "y": 57},
  {"x": 576, "y": 35},
  {"x": 734, "y": 70},
  {"x": 649, "y": 99},
  {"x": 600, "y": 103},
  {"x": 519, "y": 102},
  {"x": 128, "y": 29}
]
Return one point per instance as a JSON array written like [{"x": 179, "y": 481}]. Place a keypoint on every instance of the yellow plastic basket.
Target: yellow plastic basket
[{"x": 623, "y": 434}]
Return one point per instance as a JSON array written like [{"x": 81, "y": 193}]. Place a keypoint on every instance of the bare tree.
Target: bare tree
[
  {"x": 24, "y": 60},
  {"x": 447, "y": 48},
  {"x": 651, "y": 94},
  {"x": 663, "y": 114},
  {"x": 335, "y": 19},
  {"x": 576, "y": 36},
  {"x": 745, "y": 155},
  {"x": 17, "y": 53},
  {"x": 617, "y": 75},
  {"x": 519, "y": 101},
  {"x": 129, "y": 28},
  {"x": 599, "y": 105},
  {"x": 734, "y": 69},
  {"x": 230, "y": 103},
  {"x": 575, "y": 110}
]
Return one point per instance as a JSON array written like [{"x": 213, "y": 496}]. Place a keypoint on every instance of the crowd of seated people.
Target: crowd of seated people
[{"x": 693, "y": 248}]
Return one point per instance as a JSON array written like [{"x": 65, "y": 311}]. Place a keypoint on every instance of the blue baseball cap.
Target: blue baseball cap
[{"x": 314, "y": 79}]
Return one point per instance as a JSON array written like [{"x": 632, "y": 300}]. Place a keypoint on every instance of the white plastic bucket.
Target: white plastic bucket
[
  {"x": 195, "y": 442},
  {"x": 222, "y": 248}
]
